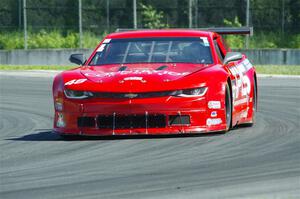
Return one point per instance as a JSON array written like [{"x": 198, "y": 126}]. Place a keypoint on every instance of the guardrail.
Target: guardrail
[
  {"x": 273, "y": 56},
  {"x": 61, "y": 56},
  {"x": 39, "y": 56}
]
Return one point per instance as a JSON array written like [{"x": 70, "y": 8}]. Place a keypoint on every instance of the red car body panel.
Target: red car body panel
[{"x": 143, "y": 78}]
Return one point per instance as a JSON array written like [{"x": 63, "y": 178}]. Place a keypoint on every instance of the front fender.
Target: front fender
[{"x": 215, "y": 98}]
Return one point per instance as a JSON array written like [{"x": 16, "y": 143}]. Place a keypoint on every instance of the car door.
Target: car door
[{"x": 240, "y": 80}]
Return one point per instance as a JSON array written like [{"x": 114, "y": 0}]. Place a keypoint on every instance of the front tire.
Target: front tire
[{"x": 228, "y": 108}]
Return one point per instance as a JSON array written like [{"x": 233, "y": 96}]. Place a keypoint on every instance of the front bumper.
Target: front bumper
[{"x": 155, "y": 116}]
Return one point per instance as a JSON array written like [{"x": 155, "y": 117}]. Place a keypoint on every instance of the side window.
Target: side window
[{"x": 219, "y": 52}]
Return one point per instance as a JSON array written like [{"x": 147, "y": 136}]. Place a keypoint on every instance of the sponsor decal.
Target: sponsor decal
[
  {"x": 242, "y": 67},
  {"x": 215, "y": 121},
  {"x": 246, "y": 85},
  {"x": 235, "y": 91},
  {"x": 136, "y": 72},
  {"x": 75, "y": 81},
  {"x": 101, "y": 48},
  {"x": 247, "y": 64},
  {"x": 214, "y": 104},
  {"x": 205, "y": 41},
  {"x": 241, "y": 86},
  {"x": 213, "y": 114},
  {"x": 60, "y": 120},
  {"x": 133, "y": 78},
  {"x": 58, "y": 106},
  {"x": 106, "y": 41},
  {"x": 241, "y": 101},
  {"x": 244, "y": 114}
]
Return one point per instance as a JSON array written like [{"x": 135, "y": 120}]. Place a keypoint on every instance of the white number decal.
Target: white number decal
[
  {"x": 75, "y": 81},
  {"x": 247, "y": 86},
  {"x": 241, "y": 86}
]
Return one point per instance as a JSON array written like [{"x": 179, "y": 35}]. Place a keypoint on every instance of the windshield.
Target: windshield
[{"x": 153, "y": 50}]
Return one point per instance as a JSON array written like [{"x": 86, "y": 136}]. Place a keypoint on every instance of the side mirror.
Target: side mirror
[
  {"x": 232, "y": 56},
  {"x": 77, "y": 59}
]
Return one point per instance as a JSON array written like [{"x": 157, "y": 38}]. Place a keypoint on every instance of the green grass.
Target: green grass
[
  {"x": 48, "y": 39},
  {"x": 261, "y": 69},
  {"x": 57, "y": 39},
  {"x": 279, "y": 70}
]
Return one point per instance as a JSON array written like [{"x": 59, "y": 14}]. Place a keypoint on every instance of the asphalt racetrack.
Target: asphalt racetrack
[{"x": 258, "y": 162}]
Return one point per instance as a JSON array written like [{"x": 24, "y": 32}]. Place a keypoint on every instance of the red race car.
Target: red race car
[{"x": 157, "y": 82}]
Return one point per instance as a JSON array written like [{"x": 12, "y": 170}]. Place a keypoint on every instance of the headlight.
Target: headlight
[
  {"x": 195, "y": 92},
  {"x": 72, "y": 94}
]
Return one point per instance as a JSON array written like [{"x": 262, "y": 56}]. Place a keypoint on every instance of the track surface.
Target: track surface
[{"x": 258, "y": 162}]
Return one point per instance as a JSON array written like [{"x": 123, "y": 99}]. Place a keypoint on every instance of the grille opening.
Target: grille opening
[
  {"x": 105, "y": 122},
  {"x": 136, "y": 95},
  {"x": 86, "y": 122},
  {"x": 156, "y": 121},
  {"x": 122, "y": 68},
  {"x": 131, "y": 121},
  {"x": 179, "y": 120}
]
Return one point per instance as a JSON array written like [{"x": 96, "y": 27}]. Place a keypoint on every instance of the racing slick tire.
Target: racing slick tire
[{"x": 228, "y": 108}]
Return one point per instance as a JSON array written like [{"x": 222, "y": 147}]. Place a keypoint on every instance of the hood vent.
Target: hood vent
[
  {"x": 161, "y": 68},
  {"x": 122, "y": 68}
]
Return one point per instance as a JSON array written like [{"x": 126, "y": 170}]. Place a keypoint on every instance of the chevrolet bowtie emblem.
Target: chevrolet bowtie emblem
[{"x": 131, "y": 95}]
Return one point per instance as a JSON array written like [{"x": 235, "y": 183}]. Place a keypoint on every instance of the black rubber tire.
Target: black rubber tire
[{"x": 228, "y": 108}]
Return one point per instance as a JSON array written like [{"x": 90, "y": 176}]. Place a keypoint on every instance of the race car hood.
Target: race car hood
[{"x": 139, "y": 77}]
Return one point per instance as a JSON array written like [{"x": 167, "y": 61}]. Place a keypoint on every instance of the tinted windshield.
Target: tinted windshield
[{"x": 151, "y": 50}]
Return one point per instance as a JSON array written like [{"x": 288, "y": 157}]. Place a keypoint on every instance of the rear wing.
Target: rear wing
[
  {"x": 230, "y": 30},
  {"x": 219, "y": 30}
]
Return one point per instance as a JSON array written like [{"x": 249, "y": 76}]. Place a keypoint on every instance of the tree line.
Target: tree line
[{"x": 109, "y": 14}]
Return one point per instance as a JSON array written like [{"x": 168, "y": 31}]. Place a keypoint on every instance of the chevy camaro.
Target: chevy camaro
[{"x": 157, "y": 82}]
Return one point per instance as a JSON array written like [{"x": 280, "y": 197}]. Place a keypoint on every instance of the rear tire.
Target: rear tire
[{"x": 228, "y": 108}]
